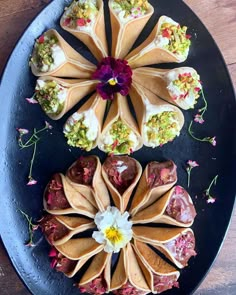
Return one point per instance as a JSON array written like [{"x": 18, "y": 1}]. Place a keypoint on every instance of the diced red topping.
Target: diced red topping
[
  {"x": 55, "y": 195},
  {"x": 166, "y": 33},
  {"x": 121, "y": 171},
  {"x": 163, "y": 283},
  {"x": 83, "y": 170},
  {"x": 52, "y": 228},
  {"x": 188, "y": 36},
  {"x": 96, "y": 286},
  {"x": 60, "y": 262},
  {"x": 128, "y": 289},
  {"x": 81, "y": 22},
  {"x": 41, "y": 39},
  {"x": 161, "y": 173},
  {"x": 67, "y": 21}
]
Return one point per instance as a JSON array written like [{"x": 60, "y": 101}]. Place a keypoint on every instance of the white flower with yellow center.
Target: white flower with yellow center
[{"x": 114, "y": 229}]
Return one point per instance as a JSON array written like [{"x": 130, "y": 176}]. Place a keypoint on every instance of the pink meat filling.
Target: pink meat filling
[
  {"x": 60, "y": 262},
  {"x": 161, "y": 173},
  {"x": 182, "y": 248},
  {"x": 180, "y": 207},
  {"x": 55, "y": 195},
  {"x": 128, "y": 289},
  {"x": 52, "y": 228},
  {"x": 121, "y": 171},
  {"x": 96, "y": 286},
  {"x": 83, "y": 170},
  {"x": 163, "y": 283}
]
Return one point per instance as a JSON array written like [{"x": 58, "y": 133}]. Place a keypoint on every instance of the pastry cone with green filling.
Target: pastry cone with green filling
[
  {"x": 59, "y": 229},
  {"x": 163, "y": 275},
  {"x": 83, "y": 128},
  {"x": 128, "y": 18},
  {"x": 96, "y": 279},
  {"x": 175, "y": 208},
  {"x": 53, "y": 56},
  {"x": 156, "y": 180},
  {"x": 179, "y": 86},
  {"x": 120, "y": 134},
  {"x": 85, "y": 177},
  {"x": 85, "y": 20},
  {"x": 57, "y": 96},
  {"x": 121, "y": 174},
  {"x": 159, "y": 122},
  {"x": 168, "y": 42},
  {"x": 60, "y": 198},
  {"x": 177, "y": 244}
]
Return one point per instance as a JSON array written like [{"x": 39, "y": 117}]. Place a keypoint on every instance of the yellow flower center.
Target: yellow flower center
[
  {"x": 112, "y": 81},
  {"x": 113, "y": 235}
]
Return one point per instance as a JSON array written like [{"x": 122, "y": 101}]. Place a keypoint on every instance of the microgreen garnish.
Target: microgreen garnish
[
  {"x": 31, "y": 228},
  {"x": 191, "y": 165},
  {"x": 210, "y": 198},
  {"x": 32, "y": 141}
]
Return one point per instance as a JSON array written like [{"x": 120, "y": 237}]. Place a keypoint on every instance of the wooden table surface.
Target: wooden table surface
[{"x": 219, "y": 16}]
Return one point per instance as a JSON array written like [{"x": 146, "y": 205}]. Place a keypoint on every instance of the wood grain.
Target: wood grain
[{"x": 220, "y": 19}]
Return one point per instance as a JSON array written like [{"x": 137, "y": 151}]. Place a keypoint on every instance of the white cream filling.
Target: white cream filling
[
  {"x": 120, "y": 166},
  {"x": 176, "y": 92},
  {"x": 58, "y": 56}
]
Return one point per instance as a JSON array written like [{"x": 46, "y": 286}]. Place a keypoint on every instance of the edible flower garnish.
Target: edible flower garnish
[
  {"x": 114, "y": 229},
  {"x": 191, "y": 165},
  {"x": 32, "y": 141},
  {"x": 31, "y": 228},
  {"x": 210, "y": 198},
  {"x": 211, "y": 140},
  {"x": 115, "y": 76},
  {"x": 60, "y": 262},
  {"x": 128, "y": 289}
]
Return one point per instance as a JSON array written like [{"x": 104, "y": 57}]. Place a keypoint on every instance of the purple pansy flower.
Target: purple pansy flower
[{"x": 115, "y": 76}]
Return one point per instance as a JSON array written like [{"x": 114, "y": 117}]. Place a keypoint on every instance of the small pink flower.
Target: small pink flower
[
  {"x": 211, "y": 200},
  {"x": 32, "y": 182},
  {"x": 31, "y": 100},
  {"x": 198, "y": 118},
  {"x": 48, "y": 125},
  {"x": 213, "y": 141},
  {"x": 192, "y": 164},
  {"x": 30, "y": 244},
  {"x": 22, "y": 131}
]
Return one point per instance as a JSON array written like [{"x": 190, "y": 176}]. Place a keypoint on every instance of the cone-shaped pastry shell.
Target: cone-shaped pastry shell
[
  {"x": 157, "y": 211},
  {"x": 144, "y": 101},
  {"x": 158, "y": 237},
  {"x": 74, "y": 66},
  {"x": 100, "y": 263},
  {"x": 97, "y": 194},
  {"x": 76, "y": 249},
  {"x": 94, "y": 39},
  {"x": 120, "y": 110},
  {"x": 76, "y": 90},
  {"x": 97, "y": 106},
  {"x": 149, "y": 52},
  {"x": 146, "y": 195},
  {"x": 120, "y": 277},
  {"x": 124, "y": 34},
  {"x": 121, "y": 200},
  {"x": 134, "y": 271},
  {"x": 157, "y": 81}
]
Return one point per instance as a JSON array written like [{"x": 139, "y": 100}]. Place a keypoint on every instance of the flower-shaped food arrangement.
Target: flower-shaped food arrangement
[
  {"x": 153, "y": 91},
  {"x": 87, "y": 240}
]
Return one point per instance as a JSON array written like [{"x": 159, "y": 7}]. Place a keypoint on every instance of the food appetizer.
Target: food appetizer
[
  {"x": 179, "y": 86},
  {"x": 57, "y": 96},
  {"x": 159, "y": 122},
  {"x": 120, "y": 134},
  {"x": 85, "y": 20},
  {"x": 168, "y": 42},
  {"x": 128, "y": 19},
  {"x": 175, "y": 208},
  {"x": 83, "y": 128},
  {"x": 121, "y": 174},
  {"x": 53, "y": 56}
]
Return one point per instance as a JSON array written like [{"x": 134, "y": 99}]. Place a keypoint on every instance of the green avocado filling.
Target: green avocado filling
[
  {"x": 120, "y": 134},
  {"x": 42, "y": 56},
  {"x": 162, "y": 128},
  {"x": 47, "y": 96},
  {"x": 76, "y": 135},
  {"x": 179, "y": 42},
  {"x": 132, "y": 7}
]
